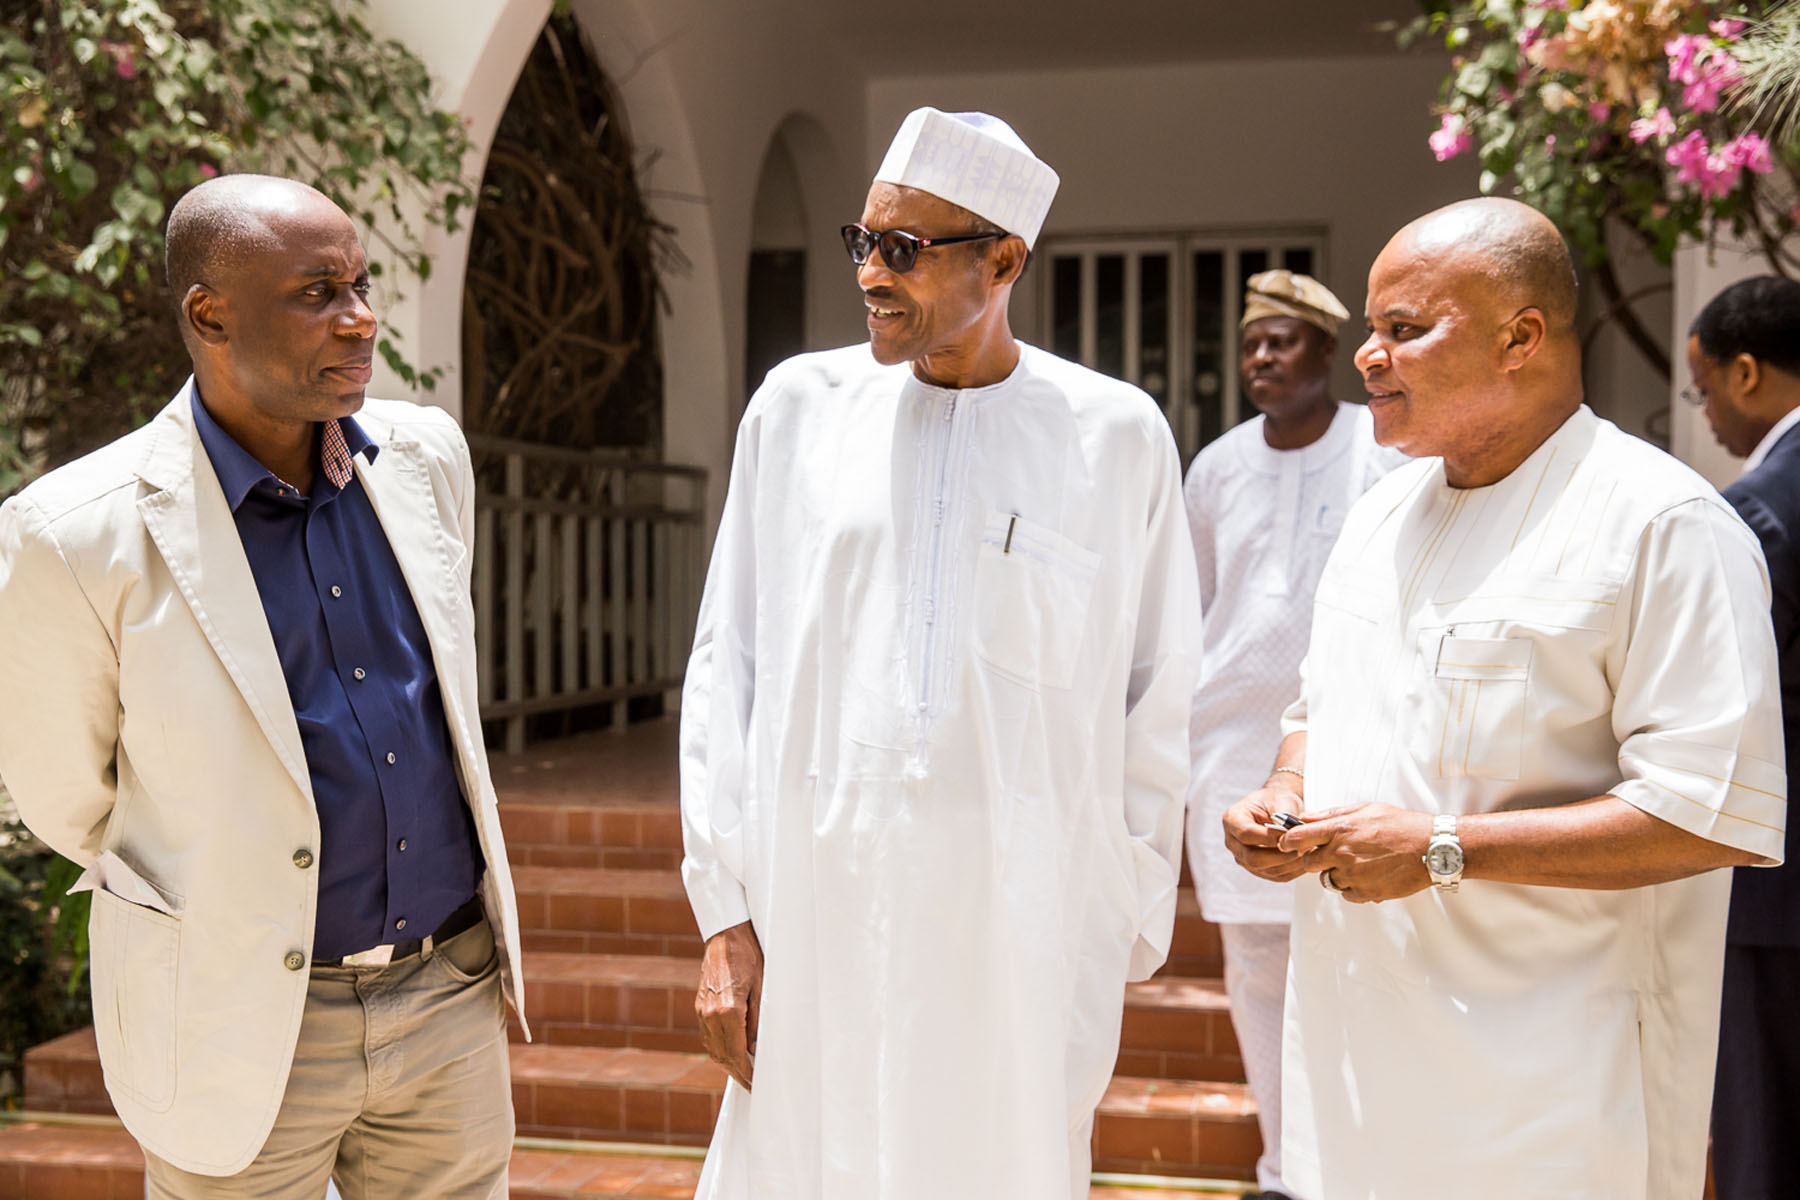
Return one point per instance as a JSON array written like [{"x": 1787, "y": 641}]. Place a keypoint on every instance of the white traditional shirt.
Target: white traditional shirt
[
  {"x": 934, "y": 748},
  {"x": 1596, "y": 622},
  {"x": 1263, "y": 521}
]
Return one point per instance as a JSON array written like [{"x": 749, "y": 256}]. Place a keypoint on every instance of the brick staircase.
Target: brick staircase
[{"x": 611, "y": 962}]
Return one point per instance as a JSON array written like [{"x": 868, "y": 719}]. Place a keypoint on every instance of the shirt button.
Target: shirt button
[
  {"x": 294, "y": 960},
  {"x": 390, "y": 756},
  {"x": 303, "y": 859},
  {"x": 336, "y": 591},
  {"x": 402, "y": 845},
  {"x": 359, "y": 673},
  {"x": 400, "y": 924}
]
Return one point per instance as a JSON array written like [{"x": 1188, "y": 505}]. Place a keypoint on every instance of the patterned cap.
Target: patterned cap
[{"x": 1285, "y": 294}]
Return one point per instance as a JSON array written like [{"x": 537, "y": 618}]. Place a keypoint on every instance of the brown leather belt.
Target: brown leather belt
[{"x": 464, "y": 918}]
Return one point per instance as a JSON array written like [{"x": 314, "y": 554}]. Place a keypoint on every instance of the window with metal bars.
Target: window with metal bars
[{"x": 1162, "y": 312}]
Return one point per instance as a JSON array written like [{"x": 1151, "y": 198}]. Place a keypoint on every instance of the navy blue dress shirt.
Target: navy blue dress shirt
[{"x": 397, "y": 850}]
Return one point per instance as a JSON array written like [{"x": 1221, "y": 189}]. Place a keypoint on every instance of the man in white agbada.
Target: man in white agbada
[
  {"x": 1539, "y": 712},
  {"x": 1265, "y": 502},
  {"x": 934, "y": 733}
]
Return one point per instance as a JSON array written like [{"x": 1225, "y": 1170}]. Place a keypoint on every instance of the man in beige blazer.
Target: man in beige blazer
[{"x": 237, "y": 684}]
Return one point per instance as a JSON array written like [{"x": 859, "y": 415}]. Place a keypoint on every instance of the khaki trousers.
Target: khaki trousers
[{"x": 400, "y": 1088}]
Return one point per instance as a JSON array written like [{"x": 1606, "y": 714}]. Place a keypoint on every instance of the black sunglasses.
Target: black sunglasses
[{"x": 899, "y": 249}]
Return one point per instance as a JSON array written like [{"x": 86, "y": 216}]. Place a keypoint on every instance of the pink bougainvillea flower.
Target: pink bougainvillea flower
[
  {"x": 1726, "y": 27},
  {"x": 1684, "y": 52},
  {"x": 1550, "y": 143},
  {"x": 1660, "y": 125},
  {"x": 1553, "y": 5},
  {"x": 1451, "y": 138},
  {"x": 1687, "y": 156},
  {"x": 207, "y": 170},
  {"x": 124, "y": 61},
  {"x": 1715, "y": 173},
  {"x": 1749, "y": 151},
  {"x": 1528, "y": 36},
  {"x": 1702, "y": 95},
  {"x": 1599, "y": 110}
]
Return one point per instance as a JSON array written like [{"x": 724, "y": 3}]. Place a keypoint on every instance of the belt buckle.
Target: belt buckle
[{"x": 380, "y": 956}]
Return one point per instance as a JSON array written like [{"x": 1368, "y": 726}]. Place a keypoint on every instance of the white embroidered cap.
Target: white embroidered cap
[{"x": 975, "y": 162}]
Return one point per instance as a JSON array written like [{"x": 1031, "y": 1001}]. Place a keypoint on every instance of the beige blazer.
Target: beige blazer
[{"x": 146, "y": 733}]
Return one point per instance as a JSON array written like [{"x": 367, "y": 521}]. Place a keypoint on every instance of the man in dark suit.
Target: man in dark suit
[{"x": 1744, "y": 354}]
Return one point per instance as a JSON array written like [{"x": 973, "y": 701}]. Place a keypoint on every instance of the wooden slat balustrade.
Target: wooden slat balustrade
[{"x": 587, "y": 576}]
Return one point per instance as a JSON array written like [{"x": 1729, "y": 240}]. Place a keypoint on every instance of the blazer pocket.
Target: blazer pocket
[
  {"x": 1032, "y": 591},
  {"x": 135, "y": 953},
  {"x": 1481, "y": 683}
]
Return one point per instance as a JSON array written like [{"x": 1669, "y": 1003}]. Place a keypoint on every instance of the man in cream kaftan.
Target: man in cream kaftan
[
  {"x": 1593, "y": 623},
  {"x": 1540, "y": 710},
  {"x": 934, "y": 753}
]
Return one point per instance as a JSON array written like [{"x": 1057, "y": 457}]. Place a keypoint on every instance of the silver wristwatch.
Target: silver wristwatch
[{"x": 1444, "y": 854}]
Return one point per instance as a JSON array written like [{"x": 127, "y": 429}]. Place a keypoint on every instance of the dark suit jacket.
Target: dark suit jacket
[{"x": 1765, "y": 902}]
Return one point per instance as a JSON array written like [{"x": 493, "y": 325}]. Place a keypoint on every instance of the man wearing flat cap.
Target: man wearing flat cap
[
  {"x": 1265, "y": 503},
  {"x": 933, "y": 743}
]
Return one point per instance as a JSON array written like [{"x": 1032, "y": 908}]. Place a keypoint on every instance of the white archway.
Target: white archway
[{"x": 475, "y": 50}]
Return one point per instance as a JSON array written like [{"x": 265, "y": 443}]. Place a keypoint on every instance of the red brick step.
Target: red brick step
[
  {"x": 1145, "y": 1126},
  {"x": 63, "y": 1076},
  {"x": 632, "y": 834},
  {"x": 69, "y": 1162},
  {"x": 604, "y": 1094},
  {"x": 550, "y": 1175},
  {"x": 1178, "y": 1028},
  {"x": 611, "y": 1000},
  {"x": 1177, "y": 1127},
  {"x": 604, "y": 911},
  {"x": 622, "y": 911}
]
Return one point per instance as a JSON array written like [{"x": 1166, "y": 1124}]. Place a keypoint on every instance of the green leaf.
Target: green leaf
[{"x": 82, "y": 178}]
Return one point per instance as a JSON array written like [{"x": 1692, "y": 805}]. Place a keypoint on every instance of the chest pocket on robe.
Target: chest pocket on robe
[
  {"x": 1033, "y": 588},
  {"x": 1481, "y": 684}
]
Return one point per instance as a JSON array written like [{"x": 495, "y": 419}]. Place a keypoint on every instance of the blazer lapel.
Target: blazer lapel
[
  {"x": 398, "y": 484},
  {"x": 192, "y": 525}
]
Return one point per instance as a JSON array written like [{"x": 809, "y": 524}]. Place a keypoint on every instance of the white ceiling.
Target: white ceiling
[{"x": 927, "y": 37}]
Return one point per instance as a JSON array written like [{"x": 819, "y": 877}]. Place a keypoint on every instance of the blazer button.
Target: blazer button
[
  {"x": 303, "y": 859},
  {"x": 294, "y": 960}
]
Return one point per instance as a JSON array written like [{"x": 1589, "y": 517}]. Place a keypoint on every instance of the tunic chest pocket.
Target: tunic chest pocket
[
  {"x": 1032, "y": 592},
  {"x": 1481, "y": 684}
]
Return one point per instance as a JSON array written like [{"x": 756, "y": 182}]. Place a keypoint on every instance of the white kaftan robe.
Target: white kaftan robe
[
  {"x": 1596, "y": 622},
  {"x": 1263, "y": 521},
  {"x": 934, "y": 748}
]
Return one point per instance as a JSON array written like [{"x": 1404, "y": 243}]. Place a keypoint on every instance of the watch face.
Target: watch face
[{"x": 1444, "y": 858}]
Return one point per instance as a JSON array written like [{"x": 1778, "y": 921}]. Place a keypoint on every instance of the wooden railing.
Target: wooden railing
[{"x": 587, "y": 578}]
